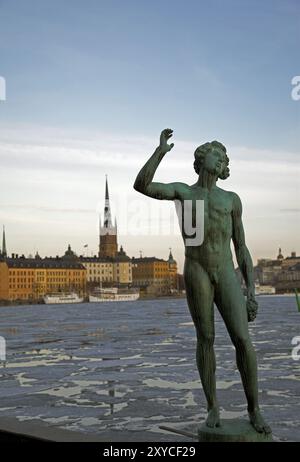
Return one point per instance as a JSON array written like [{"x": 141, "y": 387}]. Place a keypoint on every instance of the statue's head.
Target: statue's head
[{"x": 213, "y": 158}]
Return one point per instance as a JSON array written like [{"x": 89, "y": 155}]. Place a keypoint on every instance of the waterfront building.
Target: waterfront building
[
  {"x": 155, "y": 276},
  {"x": 98, "y": 270},
  {"x": 108, "y": 270},
  {"x": 122, "y": 269},
  {"x": 280, "y": 273},
  {"x": 289, "y": 279},
  {"x": 24, "y": 278}
]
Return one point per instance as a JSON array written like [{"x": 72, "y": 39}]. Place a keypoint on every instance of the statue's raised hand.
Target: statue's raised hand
[{"x": 164, "y": 137}]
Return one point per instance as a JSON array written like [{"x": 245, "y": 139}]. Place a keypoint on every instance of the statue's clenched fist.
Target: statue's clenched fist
[{"x": 252, "y": 308}]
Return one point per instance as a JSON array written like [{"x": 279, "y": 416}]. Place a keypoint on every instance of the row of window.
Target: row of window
[
  {"x": 99, "y": 264},
  {"x": 98, "y": 272},
  {"x": 21, "y": 273},
  {"x": 14, "y": 280},
  {"x": 159, "y": 282},
  {"x": 290, "y": 277},
  {"x": 63, "y": 273},
  {"x": 105, "y": 272},
  {"x": 102, "y": 265},
  {"x": 43, "y": 273},
  {"x": 30, "y": 282},
  {"x": 98, "y": 279},
  {"x": 151, "y": 276},
  {"x": 40, "y": 288}
]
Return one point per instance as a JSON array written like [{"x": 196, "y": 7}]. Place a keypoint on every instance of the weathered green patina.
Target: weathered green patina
[
  {"x": 297, "y": 300},
  {"x": 209, "y": 271}
]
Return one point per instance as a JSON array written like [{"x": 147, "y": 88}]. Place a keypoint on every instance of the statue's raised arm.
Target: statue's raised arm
[{"x": 144, "y": 183}]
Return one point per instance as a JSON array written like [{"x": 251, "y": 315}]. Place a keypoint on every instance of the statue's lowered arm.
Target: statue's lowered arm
[{"x": 243, "y": 256}]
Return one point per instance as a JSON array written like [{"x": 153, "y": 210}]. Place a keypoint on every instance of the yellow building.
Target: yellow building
[
  {"x": 31, "y": 278},
  {"x": 108, "y": 270},
  {"x": 122, "y": 269},
  {"x": 155, "y": 275},
  {"x": 97, "y": 269}
]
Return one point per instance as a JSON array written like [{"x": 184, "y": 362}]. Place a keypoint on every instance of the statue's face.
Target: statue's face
[{"x": 214, "y": 161}]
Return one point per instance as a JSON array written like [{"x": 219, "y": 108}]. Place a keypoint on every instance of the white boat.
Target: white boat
[
  {"x": 61, "y": 297},
  {"x": 264, "y": 290},
  {"x": 114, "y": 294}
]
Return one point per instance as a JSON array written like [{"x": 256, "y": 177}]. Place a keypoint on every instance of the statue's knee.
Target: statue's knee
[
  {"x": 206, "y": 339},
  {"x": 242, "y": 343}
]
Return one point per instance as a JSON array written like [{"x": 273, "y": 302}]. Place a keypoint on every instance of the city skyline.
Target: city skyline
[
  {"x": 105, "y": 218},
  {"x": 89, "y": 90},
  {"x": 150, "y": 219}
]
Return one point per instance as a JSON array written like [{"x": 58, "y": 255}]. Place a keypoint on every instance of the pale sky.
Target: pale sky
[{"x": 91, "y": 85}]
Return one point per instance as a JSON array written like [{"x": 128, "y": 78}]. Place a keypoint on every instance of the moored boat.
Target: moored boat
[
  {"x": 60, "y": 297},
  {"x": 114, "y": 294},
  {"x": 264, "y": 290}
]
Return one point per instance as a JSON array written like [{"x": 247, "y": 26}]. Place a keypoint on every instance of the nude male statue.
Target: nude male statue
[{"x": 209, "y": 273}]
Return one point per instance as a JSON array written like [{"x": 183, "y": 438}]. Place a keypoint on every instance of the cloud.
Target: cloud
[
  {"x": 53, "y": 149},
  {"x": 290, "y": 210},
  {"x": 79, "y": 157},
  {"x": 46, "y": 209}
]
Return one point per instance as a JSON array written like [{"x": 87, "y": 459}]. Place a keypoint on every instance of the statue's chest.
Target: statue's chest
[
  {"x": 217, "y": 220},
  {"x": 213, "y": 208},
  {"x": 217, "y": 210}
]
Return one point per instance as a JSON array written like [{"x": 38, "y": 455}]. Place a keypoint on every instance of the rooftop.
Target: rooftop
[
  {"x": 147, "y": 259},
  {"x": 23, "y": 262}
]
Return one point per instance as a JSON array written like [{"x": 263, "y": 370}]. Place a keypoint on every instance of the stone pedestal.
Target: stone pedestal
[{"x": 232, "y": 430}]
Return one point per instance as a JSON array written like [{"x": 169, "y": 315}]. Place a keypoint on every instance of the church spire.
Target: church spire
[
  {"x": 106, "y": 188},
  {"x": 171, "y": 258},
  {"x": 279, "y": 256},
  {"x": 4, "y": 251},
  {"x": 170, "y": 254},
  {"x": 108, "y": 246},
  {"x": 107, "y": 213}
]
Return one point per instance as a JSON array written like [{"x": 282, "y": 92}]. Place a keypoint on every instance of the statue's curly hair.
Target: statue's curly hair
[{"x": 201, "y": 152}]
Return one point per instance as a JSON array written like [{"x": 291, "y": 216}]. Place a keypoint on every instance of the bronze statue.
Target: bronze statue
[{"x": 209, "y": 273}]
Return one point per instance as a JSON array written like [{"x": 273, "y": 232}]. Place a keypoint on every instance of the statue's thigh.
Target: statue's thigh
[
  {"x": 231, "y": 304},
  {"x": 200, "y": 296}
]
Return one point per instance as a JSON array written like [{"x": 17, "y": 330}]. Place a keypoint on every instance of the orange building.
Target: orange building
[
  {"x": 155, "y": 275},
  {"x": 31, "y": 278}
]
